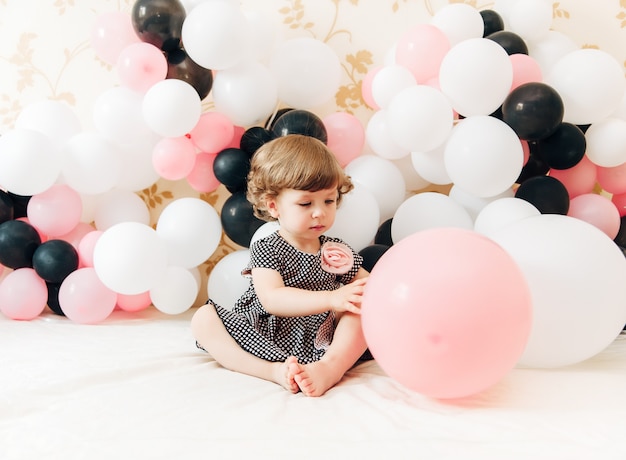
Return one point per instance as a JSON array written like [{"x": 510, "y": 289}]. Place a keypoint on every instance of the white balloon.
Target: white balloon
[
  {"x": 606, "y": 142},
  {"x": 576, "y": 276},
  {"x": 502, "y": 212},
  {"x": 226, "y": 283},
  {"x": 245, "y": 93},
  {"x": 412, "y": 179},
  {"x": 171, "y": 107},
  {"x": 216, "y": 35},
  {"x": 307, "y": 72},
  {"x": 531, "y": 19},
  {"x": 430, "y": 165},
  {"x": 428, "y": 210},
  {"x": 476, "y": 74},
  {"x": 117, "y": 206},
  {"x": 55, "y": 119},
  {"x": 550, "y": 48},
  {"x": 378, "y": 137},
  {"x": 90, "y": 163},
  {"x": 138, "y": 171},
  {"x": 357, "y": 218},
  {"x": 474, "y": 204},
  {"x": 28, "y": 163},
  {"x": 591, "y": 83},
  {"x": 388, "y": 82},
  {"x": 130, "y": 258},
  {"x": 191, "y": 230},
  {"x": 117, "y": 115},
  {"x": 264, "y": 230},
  {"x": 483, "y": 155},
  {"x": 459, "y": 21},
  {"x": 419, "y": 118},
  {"x": 176, "y": 292},
  {"x": 382, "y": 178}
]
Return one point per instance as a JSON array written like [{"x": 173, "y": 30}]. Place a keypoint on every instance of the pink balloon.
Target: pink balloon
[
  {"x": 84, "y": 299},
  {"x": 111, "y": 33},
  {"x": 612, "y": 179},
  {"x": 620, "y": 203},
  {"x": 421, "y": 50},
  {"x": 42, "y": 236},
  {"x": 526, "y": 150},
  {"x": 85, "y": 248},
  {"x": 596, "y": 210},
  {"x": 446, "y": 312},
  {"x": 56, "y": 211},
  {"x": 578, "y": 179},
  {"x": 525, "y": 70},
  {"x": 77, "y": 233},
  {"x": 346, "y": 136},
  {"x": 173, "y": 158},
  {"x": 202, "y": 178},
  {"x": 141, "y": 65},
  {"x": 134, "y": 302},
  {"x": 23, "y": 294},
  {"x": 366, "y": 88},
  {"x": 213, "y": 132},
  {"x": 235, "y": 141}
]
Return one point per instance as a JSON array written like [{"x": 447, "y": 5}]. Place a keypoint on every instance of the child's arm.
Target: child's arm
[{"x": 281, "y": 300}]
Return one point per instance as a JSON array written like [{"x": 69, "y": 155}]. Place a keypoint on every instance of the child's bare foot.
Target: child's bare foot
[
  {"x": 285, "y": 372},
  {"x": 318, "y": 377}
]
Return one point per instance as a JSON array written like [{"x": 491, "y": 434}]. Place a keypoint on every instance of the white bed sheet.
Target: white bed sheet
[{"x": 136, "y": 387}]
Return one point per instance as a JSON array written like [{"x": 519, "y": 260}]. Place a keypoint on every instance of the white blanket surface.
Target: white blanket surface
[{"x": 135, "y": 387}]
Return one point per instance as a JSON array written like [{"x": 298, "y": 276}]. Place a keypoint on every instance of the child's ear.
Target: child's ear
[{"x": 271, "y": 207}]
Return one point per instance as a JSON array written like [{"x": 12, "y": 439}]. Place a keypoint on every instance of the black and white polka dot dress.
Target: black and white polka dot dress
[{"x": 275, "y": 338}]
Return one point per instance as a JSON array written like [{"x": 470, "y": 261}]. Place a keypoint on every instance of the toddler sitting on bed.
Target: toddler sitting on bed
[{"x": 299, "y": 323}]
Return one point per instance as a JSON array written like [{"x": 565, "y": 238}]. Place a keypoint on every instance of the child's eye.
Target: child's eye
[
  {"x": 308, "y": 203},
  {"x": 330, "y": 201}
]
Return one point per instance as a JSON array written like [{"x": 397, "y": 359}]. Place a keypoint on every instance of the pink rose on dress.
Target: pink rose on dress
[{"x": 337, "y": 258}]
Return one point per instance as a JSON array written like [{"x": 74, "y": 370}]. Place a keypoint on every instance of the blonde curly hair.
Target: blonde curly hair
[{"x": 294, "y": 162}]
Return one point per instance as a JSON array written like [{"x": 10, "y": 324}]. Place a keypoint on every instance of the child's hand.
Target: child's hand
[{"x": 348, "y": 297}]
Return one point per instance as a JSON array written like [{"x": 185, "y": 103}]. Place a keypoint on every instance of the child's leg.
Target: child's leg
[
  {"x": 210, "y": 332},
  {"x": 346, "y": 348}
]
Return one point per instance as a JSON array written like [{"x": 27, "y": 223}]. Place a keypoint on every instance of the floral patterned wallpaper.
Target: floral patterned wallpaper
[{"x": 45, "y": 53}]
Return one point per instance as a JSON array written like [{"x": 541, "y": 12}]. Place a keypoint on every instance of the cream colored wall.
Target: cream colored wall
[{"x": 45, "y": 52}]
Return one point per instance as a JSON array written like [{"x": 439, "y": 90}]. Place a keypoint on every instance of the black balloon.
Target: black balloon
[
  {"x": 620, "y": 238},
  {"x": 511, "y": 42},
  {"x": 6, "y": 207},
  {"x": 371, "y": 254},
  {"x": 159, "y": 22},
  {"x": 546, "y": 193},
  {"x": 18, "y": 242},
  {"x": 238, "y": 219},
  {"x": 564, "y": 148},
  {"x": 298, "y": 121},
  {"x": 53, "y": 298},
  {"x": 54, "y": 260},
  {"x": 269, "y": 123},
  {"x": 492, "y": 22},
  {"x": 231, "y": 167},
  {"x": 383, "y": 234},
  {"x": 253, "y": 138},
  {"x": 181, "y": 67},
  {"x": 535, "y": 166},
  {"x": 20, "y": 205},
  {"x": 533, "y": 110}
]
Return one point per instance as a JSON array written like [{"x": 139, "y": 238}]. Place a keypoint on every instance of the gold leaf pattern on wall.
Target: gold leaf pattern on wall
[
  {"x": 294, "y": 15},
  {"x": 622, "y": 17},
  {"x": 350, "y": 97},
  {"x": 558, "y": 12},
  {"x": 153, "y": 197},
  {"x": 62, "y": 5}
]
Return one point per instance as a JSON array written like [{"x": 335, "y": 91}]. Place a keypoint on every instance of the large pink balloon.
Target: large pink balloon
[
  {"x": 202, "y": 178},
  {"x": 596, "y": 210},
  {"x": 84, "y": 298},
  {"x": 23, "y": 294},
  {"x": 141, "y": 65},
  {"x": 174, "y": 157},
  {"x": 578, "y": 179},
  {"x": 446, "y": 312},
  {"x": 111, "y": 33}
]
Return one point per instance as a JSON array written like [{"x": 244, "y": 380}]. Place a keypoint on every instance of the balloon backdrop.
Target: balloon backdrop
[{"x": 446, "y": 336}]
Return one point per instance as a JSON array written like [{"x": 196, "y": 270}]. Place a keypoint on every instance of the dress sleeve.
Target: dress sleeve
[{"x": 263, "y": 254}]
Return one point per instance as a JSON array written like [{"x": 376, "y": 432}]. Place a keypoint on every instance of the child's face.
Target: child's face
[{"x": 303, "y": 214}]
